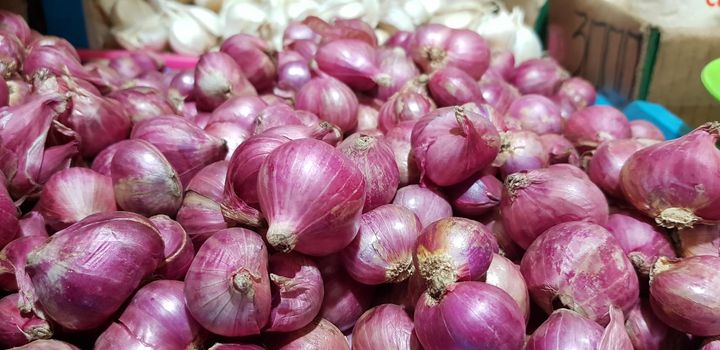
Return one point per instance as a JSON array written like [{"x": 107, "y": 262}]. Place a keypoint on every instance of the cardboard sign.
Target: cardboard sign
[{"x": 628, "y": 58}]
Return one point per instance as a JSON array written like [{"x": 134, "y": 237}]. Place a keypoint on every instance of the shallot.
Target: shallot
[
  {"x": 297, "y": 219},
  {"x": 673, "y": 181}
]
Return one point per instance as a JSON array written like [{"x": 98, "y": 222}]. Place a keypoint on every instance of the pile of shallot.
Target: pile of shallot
[{"x": 423, "y": 193}]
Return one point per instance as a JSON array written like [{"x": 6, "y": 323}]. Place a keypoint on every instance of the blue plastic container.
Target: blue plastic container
[{"x": 670, "y": 124}]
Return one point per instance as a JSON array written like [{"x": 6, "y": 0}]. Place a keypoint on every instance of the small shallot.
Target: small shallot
[
  {"x": 156, "y": 317},
  {"x": 451, "y": 250},
  {"x": 72, "y": 194},
  {"x": 590, "y": 126},
  {"x": 471, "y": 315},
  {"x": 429, "y": 206},
  {"x": 227, "y": 288},
  {"x": 673, "y": 181},
  {"x": 476, "y": 195},
  {"x": 520, "y": 151},
  {"x": 382, "y": 251},
  {"x": 218, "y": 78},
  {"x": 178, "y": 249},
  {"x": 533, "y": 202},
  {"x": 683, "y": 294},
  {"x": 642, "y": 241},
  {"x": 580, "y": 266},
  {"x": 331, "y": 100},
  {"x": 385, "y": 326},
  {"x": 566, "y": 329},
  {"x": 375, "y": 159},
  {"x": 187, "y": 147},
  {"x": 297, "y": 289},
  {"x": 69, "y": 276},
  {"x": 297, "y": 219},
  {"x": 607, "y": 161},
  {"x": 143, "y": 179},
  {"x": 450, "y": 144}
]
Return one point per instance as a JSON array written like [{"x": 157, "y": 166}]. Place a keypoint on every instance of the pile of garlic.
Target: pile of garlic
[{"x": 193, "y": 27}]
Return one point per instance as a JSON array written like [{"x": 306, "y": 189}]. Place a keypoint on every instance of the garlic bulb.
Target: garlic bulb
[
  {"x": 127, "y": 13},
  {"x": 149, "y": 34},
  {"x": 527, "y": 43},
  {"x": 188, "y": 36}
]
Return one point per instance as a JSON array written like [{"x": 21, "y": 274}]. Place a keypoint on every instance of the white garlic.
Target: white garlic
[{"x": 149, "y": 34}]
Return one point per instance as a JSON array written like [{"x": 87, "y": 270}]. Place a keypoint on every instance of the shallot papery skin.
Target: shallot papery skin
[
  {"x": 540, "y": 76},
  {"x": 450, "y": 86},
  {"x": 451, "y": 250},
  {"x": 241, "y": 110},
  {"x": 498, "y": 94},
  {"x": 382, "y": 251},
  {"x": 450, "y": 144},
  {"x": 591, "y": 126},
  {"x": 72, "y": 194},
  {"x": 318, "y": 212},
  {"x": 375, "y": 159},
  {"x": 580, "y": 266},
  {"x": 699, "y": 240},
  {"x": 345, "y": 298},
  {"x": 178, "y": 251},
  {"x": 674, "y": 182},
  {"x": 504, "y": 274},
  {"x": 32, "y": 224},
  {"x": 642, "y": 241},
  {"x": 566, "y": 329},
  {"x": 354, "y": 62},
  {"x": 607, "y": 161},
  {"x": 71, "y": 271},
  {"x": 227, "y": 288},
  {"x": 385, "y": 326},
  {"x": 434, "y": 46},
  {"x": 18, "y": 92},
  {"x": 218, "y": 78},
  {"x": 156, "y": 317},
  {"x": 647, "y": 332},
  {"x": 403, "y": 107},
  {"x": 200, "y": 213},
  {"x": 142, "y": 102},
  {"x": 683, "y": 294},
  {"x": 615, "y": 335},
  {"x": 560, "y": 150},
  {"x": 297, "y": 292},
  {"x": 254, "y": 58},
  {"x": 331, "y": 100},
  {"x": 17, "y": 328},
  {"x": 9, "y": 222},
  {"x": 399, "y": 139},
  {"x": 187, "y": 147},
  {"x": 318, "y": 334},
  {"x": 13, "y": 258},
  {"x": 471, "y": 315},
  {"x": 476, "y": 195},
  {"x": 25, "y": 128},
  {"x": 576, "y": 92},
  {"x": 536, "y": 113},
  {"x": 15, "y": 24},
  {"x": 399, "y": 68},
  {"x": 533, "y": 202},
  {"x": 643, "y": 129},
  {"x": 233, "y": 134},
  {"x": 429, "y": 206},
  {"x": 143, "y": 179},
  {"x": 520, "y": 151}
]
